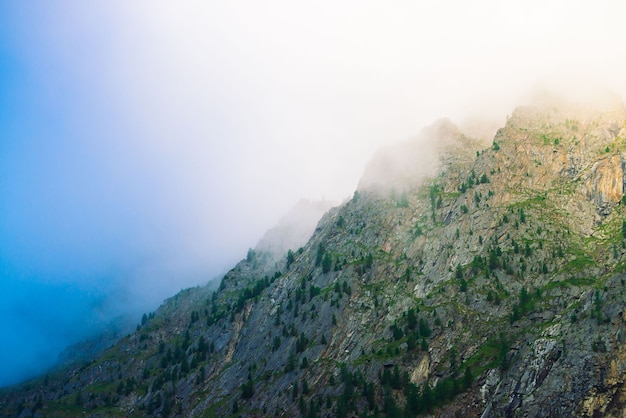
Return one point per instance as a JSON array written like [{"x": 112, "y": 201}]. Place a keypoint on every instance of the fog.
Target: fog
[{"x": 146, "y": 145}]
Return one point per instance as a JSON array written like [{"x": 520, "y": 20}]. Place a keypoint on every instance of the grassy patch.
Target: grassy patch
[
  {"x": 579, "y": 263},
  {"x": 620, "y": 267},
  {"x": 102, "y": 387},
  {"x": 574, "y": 281}
]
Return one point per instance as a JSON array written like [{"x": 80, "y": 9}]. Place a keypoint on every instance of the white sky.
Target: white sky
[{"x": 213, "y": 118}]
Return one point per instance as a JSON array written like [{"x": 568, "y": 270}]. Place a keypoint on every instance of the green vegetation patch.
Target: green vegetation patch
[
  {"x": 579, "y": 263},
  {"x": 574, "y": 281},
  {"x": 620, "y": 267}
]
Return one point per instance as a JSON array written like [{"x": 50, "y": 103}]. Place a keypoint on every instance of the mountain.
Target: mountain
[
  {"x": 489, "y": 284},
  {"x": 293, "y": 230}
]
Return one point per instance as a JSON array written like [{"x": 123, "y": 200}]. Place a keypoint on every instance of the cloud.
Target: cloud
[{"x": 146, "y": 145}]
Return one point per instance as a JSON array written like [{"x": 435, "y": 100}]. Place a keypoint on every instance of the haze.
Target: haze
[{"x": 146, "y": 145}]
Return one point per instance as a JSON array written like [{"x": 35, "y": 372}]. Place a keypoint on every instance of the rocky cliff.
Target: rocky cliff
[{"x": 489, "y": 284}]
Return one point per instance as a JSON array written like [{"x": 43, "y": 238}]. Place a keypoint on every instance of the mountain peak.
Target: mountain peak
[
  {"x": 547, "y": 112},
  {"x": 294, "y": 229},
  {"x": 407, "y": 164}
]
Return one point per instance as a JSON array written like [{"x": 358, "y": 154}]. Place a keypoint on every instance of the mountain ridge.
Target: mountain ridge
[{"x": 490, "y": 284}]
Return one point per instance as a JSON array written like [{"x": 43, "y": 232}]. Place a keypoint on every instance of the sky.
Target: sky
[{"x": 146, "y": 145}]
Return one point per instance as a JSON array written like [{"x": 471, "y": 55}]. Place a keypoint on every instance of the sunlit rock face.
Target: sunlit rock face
[
  {"x": 487, "y": 281},
  {"x": 605, "y": 183}
]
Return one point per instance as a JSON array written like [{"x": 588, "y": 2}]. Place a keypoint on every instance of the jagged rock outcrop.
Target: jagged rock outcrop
[
  {"x": 492, "y": 283},
  {"x": 606, "y": 182}
]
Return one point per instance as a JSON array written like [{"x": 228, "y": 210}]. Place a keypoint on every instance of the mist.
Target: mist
[{"x": 145, "y": 146}]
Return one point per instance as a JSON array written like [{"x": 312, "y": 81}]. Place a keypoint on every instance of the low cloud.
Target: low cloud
[{"x": 147, "y": 145}]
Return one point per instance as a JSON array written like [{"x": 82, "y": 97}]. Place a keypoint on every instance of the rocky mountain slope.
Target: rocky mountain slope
[{"x": 490, "y": 284}]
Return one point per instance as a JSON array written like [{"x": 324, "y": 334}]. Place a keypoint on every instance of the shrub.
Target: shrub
[{"x": 326, "y": 264}]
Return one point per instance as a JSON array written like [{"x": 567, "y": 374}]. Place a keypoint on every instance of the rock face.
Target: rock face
[
  {"x": 489, "y": 284},
  {"x": 606, "y": 182}
]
